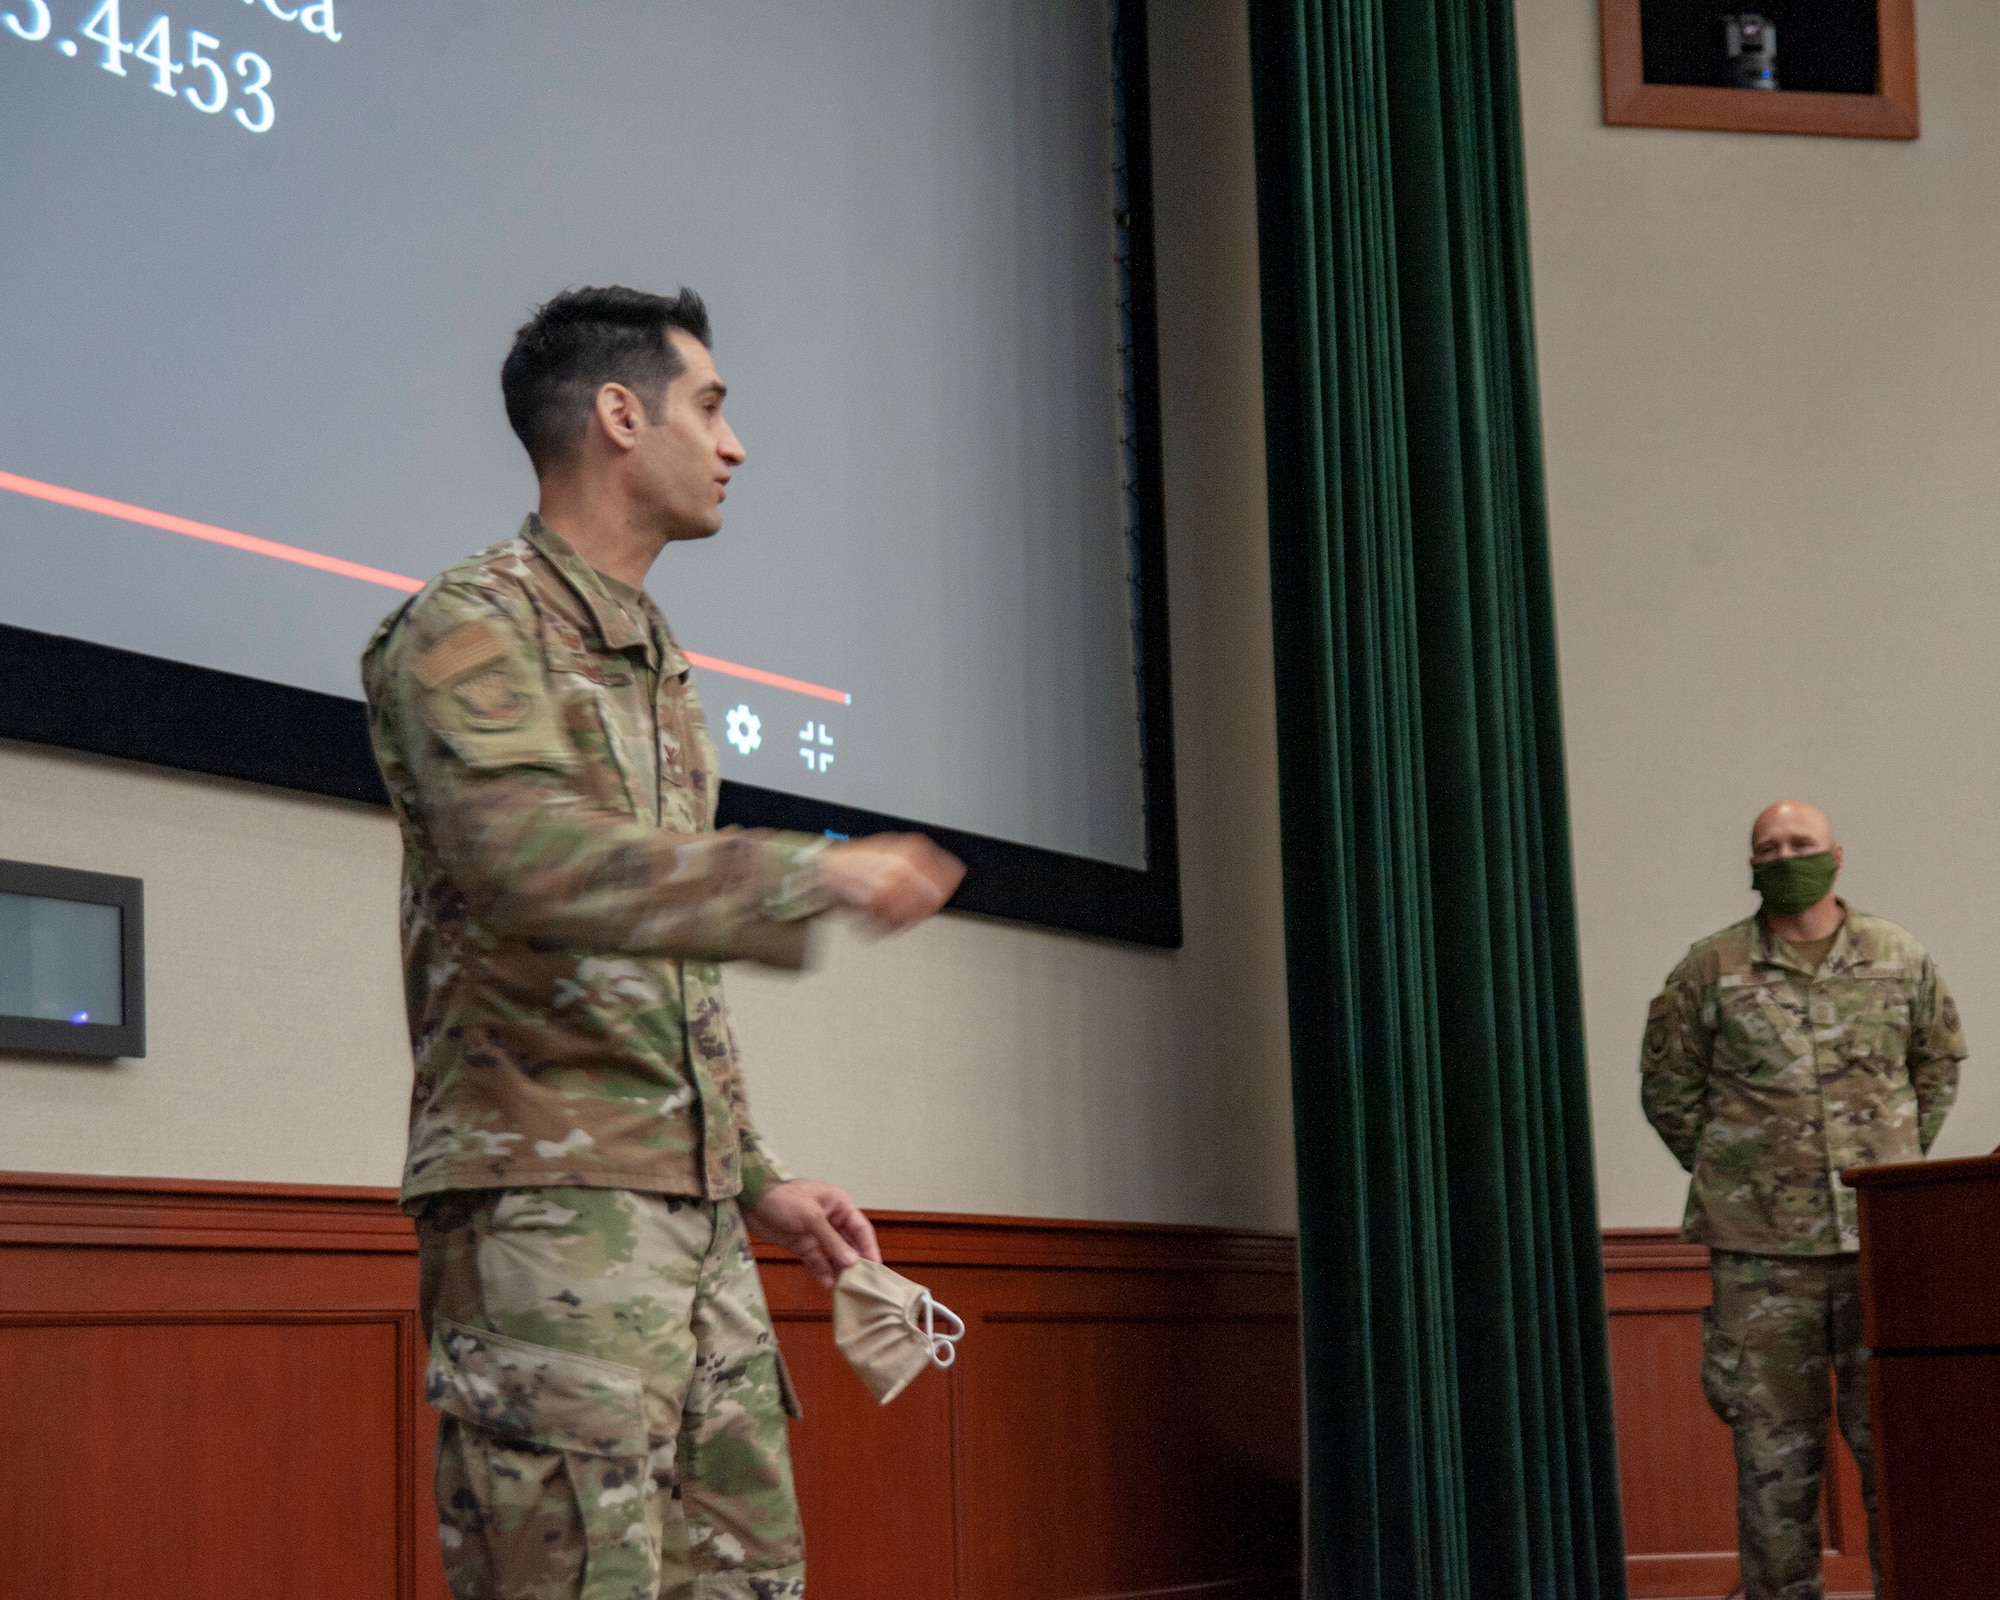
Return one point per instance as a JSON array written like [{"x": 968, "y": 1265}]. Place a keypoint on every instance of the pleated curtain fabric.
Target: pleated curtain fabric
[{"x": 1459, "y": 1424}]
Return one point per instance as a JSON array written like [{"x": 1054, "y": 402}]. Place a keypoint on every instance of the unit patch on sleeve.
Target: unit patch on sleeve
[
  {"x": 483, "y": 696},
  {"x": 491, "y": 699}
]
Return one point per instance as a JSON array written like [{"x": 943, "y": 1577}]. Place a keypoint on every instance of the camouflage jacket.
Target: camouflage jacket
[
  {"x": 1765, "y": 1079},
  {"x": 565, "y": 895}
]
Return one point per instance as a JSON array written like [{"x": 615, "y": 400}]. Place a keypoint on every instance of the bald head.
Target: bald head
[{"x": 1790, "y": 828}]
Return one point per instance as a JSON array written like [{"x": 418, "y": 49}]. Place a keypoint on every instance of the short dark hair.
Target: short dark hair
[{"x": 578, "y": 342}]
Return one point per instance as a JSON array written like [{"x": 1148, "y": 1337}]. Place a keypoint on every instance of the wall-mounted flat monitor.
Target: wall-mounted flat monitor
[{"x": 72, "y": 962}]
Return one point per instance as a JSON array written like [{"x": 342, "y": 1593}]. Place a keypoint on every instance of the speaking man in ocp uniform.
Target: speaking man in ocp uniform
[
  {"x": 1804, "y": 1039},
  {"x": 582, "y": 1163}
]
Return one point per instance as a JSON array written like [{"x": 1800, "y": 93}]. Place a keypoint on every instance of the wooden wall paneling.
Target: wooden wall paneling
[
  {"x": 199, "y": 1375},
  {"x": 211, "y": 1389},
  {"x": 1675, "y": 1464},
  {"x": 875, "y": 1482},
  {"x": 220, "y": 1455},
  {"x": 1125, "y": 1423},
  {"x": 1129, "y": 1448},
  {"x": 1675, "y": 1460},
  {"x": 217, "y": 1389},
  {"x": 1124, "y": 1420}
]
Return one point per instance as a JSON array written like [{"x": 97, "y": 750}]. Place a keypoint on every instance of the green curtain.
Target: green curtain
[{"x": 1458, "y": 1395}]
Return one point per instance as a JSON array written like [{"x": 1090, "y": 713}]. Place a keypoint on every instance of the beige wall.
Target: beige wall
[
  {"x": 972, "y": 1066},
  {"x": 275, "y": 1043},
  {"x": 1773, "y": 433}
]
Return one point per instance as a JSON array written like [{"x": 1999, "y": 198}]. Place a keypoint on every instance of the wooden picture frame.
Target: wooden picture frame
[{"x": 1889, "y": 113}]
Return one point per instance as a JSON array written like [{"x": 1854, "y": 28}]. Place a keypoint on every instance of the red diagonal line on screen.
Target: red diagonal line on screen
[
  {"x": 80, "y": 501},
  {"x": 774, "y": 680},
  {"x": 77, "y": 500}
]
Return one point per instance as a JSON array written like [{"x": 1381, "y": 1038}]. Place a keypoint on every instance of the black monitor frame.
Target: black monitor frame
[
  {"x": 103, "y": 1041},
  {"x": 105, "y": 701}
]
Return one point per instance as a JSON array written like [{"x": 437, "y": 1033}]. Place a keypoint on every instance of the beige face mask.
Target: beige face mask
[{"x": 887, "y": 1327}]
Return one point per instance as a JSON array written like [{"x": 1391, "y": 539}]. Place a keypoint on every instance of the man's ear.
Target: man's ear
[
  {"x": 616, "y": 415},
  {"x": 1839, "y": 859}
]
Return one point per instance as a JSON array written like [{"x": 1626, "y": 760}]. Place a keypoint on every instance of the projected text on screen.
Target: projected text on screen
[{"x": 152, "y": 51}]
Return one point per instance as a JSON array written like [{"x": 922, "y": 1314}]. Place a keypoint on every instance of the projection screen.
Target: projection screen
[{"x": 262, "y": 261}]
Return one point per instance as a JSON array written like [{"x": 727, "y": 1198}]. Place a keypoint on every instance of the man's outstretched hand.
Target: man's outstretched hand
[
  {"x": 894, "y": 879},
  {"x": 817, "y": 1223}
]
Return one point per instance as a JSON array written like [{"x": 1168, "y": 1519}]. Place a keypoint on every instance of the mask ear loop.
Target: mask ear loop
[{"x": 944, "y": 1346}]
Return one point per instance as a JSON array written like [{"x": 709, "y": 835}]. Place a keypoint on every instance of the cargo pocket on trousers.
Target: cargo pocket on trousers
[
  {"x": 1721, "y": 1369},
  {"x": 590, "y": 1411}
]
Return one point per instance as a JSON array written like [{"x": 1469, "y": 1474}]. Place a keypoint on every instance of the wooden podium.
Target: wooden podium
[{"x": 1930, "y": 1288}]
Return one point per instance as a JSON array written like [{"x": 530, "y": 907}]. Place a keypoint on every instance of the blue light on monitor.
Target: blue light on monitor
[{"x": 60, "y": 960}]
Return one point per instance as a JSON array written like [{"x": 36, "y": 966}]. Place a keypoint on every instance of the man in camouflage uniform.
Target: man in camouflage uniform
[
  {"x": 1802, "y": 1040},
  {"x": 582, "y": 1164}
]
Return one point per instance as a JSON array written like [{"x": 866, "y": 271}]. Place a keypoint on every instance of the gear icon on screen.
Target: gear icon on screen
[{"x": 745, "y": 730}]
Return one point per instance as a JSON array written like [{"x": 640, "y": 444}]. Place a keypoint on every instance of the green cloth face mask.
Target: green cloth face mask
[{"x": 1791, "y": 883}]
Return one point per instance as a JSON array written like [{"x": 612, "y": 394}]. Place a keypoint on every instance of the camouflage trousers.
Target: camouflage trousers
[
  {"x": 614, "y": 1401},
  {"x": 1776, "y": 1325}
]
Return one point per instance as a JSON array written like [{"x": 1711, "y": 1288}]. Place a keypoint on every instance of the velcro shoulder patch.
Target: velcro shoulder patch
[
  {"x": 466, "y": 649},
  {"x": 483, "y": 696}
]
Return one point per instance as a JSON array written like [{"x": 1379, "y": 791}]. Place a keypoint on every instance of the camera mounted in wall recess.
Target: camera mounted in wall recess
[{"x": 1752, "y": 41}]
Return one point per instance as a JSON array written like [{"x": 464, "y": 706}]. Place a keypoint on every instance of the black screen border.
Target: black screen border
[{"x": 76, "y": 695}]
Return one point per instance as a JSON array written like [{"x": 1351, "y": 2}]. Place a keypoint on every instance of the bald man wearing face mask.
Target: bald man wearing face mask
[{"x": 1803, "y": 1039}]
